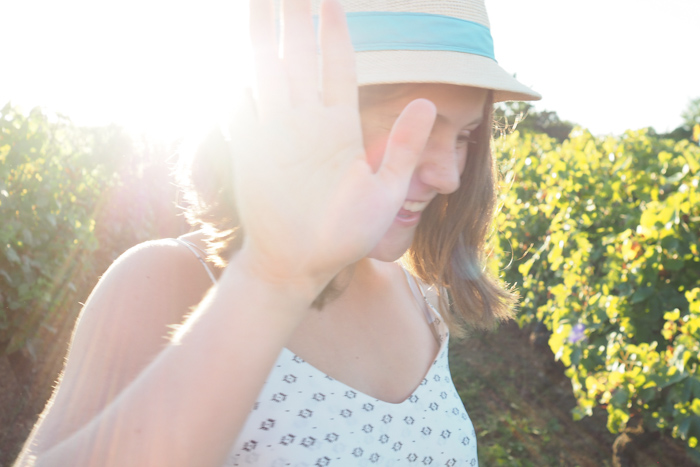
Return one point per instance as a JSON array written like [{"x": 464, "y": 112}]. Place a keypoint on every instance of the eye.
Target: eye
[{"x": 464, "y": 139}]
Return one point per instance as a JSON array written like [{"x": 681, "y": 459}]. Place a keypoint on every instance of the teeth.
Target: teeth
[{"x": 414, "y": 206}]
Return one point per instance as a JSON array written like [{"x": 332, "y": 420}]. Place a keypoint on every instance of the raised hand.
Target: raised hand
[{"x": 309, "y": 202}]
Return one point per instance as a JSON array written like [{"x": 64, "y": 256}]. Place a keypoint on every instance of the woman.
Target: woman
[{"x": 313, "y": 347}]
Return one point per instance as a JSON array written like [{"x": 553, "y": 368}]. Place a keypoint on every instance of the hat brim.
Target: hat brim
[{"x": 419, "y": 66}]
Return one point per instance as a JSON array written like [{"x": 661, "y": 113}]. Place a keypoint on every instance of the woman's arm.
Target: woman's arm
[
  {"x": 187, "y": 406},
  {"x": 125, "y": 323}
]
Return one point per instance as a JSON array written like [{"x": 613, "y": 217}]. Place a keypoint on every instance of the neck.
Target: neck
[{"x": 361, "y": 281}]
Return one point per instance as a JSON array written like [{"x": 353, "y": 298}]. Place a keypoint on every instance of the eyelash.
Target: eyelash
[{"x": 467, "y": 138}]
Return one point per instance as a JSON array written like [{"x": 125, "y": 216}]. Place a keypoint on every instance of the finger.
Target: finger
[
  {"x": 406, "y": 143},
  {"x": 299, "y": 51},
  {"x": 270, "y": 79},
  {"x": 338, "y": 57},
  {"x": 242, "y": 119}
]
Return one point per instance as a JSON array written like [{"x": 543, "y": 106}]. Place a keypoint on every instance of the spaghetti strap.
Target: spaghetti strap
[
  {"x": 419, "y": 296},
  {"x": 425, "y": 305},
  {"x": 198, "y": 252}
]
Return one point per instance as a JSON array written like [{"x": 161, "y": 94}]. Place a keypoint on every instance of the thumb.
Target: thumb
[{"x": 407, "y": 141}]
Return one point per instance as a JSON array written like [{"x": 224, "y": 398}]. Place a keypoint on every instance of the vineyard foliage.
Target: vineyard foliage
[
  {"x": 601, "y": 237},
  {"x": 48, "y": 192},
  {"x": 70, "y": 202}
]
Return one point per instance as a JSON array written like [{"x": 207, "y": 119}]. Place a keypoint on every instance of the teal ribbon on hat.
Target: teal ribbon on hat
[{"x": 371, "y": 31}]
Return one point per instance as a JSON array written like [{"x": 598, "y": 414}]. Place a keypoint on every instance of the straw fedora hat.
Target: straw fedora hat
[{"x": 428, "y": 41}]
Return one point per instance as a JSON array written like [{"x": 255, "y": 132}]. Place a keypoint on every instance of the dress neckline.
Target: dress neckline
[
  {"x": 441, "y": 355},
  {"x": 433, "y": 319}
]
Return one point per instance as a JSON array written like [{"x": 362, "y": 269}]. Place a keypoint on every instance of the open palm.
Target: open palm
[{"x": 309, "y": 202}]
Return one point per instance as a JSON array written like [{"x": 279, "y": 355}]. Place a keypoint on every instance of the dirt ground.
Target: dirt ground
[{"x": 520, "y": 402}]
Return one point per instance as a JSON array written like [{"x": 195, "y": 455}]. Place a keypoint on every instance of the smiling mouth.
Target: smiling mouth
[{"x": 410, "y": 212}]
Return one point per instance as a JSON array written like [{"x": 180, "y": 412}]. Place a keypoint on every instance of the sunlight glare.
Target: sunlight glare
[{"x": 156, "y": 67}]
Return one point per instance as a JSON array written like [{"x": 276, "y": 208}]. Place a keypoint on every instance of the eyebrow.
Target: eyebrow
[
  {"x": 440, "y": 117},
  {"x": 475, "y": 123}
]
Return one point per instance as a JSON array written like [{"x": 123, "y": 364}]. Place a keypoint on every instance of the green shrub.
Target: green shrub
[
  {"x": 602, "y": 235},
  {"x": 49, "y": 191},
  {"x": 72, "y": 199}
]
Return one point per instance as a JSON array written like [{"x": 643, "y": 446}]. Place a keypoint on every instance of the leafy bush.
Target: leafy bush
[
  {"x": 71, "y": 200},
  {"x": 48, "y": 192},
  {"x": 603, "y": 240}
]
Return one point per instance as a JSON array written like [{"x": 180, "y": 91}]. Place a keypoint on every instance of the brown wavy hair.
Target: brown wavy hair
[{"x": 448, "y": 250}]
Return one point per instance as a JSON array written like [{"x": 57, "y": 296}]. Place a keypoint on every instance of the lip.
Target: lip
[{"x": 409, "y": 218}]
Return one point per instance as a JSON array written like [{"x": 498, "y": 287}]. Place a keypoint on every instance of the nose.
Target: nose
[{"x": 441, "y": 164}]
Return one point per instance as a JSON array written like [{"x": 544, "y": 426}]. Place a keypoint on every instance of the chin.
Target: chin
[
  {"x": 386, "y": 256},
  {"x": 391, "y": 247}
]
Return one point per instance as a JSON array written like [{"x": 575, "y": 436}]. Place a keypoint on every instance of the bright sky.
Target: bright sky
[
  {"x": 608, "y": 65},
  {"x": 168, "y": 67}
]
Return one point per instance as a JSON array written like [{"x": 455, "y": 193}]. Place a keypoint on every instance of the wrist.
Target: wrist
[{"x": 295, "y": 285}]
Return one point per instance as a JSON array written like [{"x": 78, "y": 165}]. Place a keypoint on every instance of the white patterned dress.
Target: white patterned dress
[{"x": 305, "y": 418}]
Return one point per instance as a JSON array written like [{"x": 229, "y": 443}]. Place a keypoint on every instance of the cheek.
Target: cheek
[
  {"x": 462, "y": 163},
  {"x": 462, "y": 154},
  {"x": 375, "y": 145}
]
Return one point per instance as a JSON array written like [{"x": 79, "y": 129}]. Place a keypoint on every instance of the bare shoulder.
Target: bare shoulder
[
  {"x": 158, "y": 265},
  {"x": 150, "y": 287},
  {"x": 125, "y": 323},
  {"x": 154, "y": 280}
]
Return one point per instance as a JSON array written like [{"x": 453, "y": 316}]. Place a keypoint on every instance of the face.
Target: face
[{"x": 459, "y": 112}]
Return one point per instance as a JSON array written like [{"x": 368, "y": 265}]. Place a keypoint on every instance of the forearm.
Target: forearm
[{"x": 188, "y": 406}]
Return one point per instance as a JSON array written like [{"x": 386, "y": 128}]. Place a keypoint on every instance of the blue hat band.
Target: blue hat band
[{"x": 418, "y": 31}]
